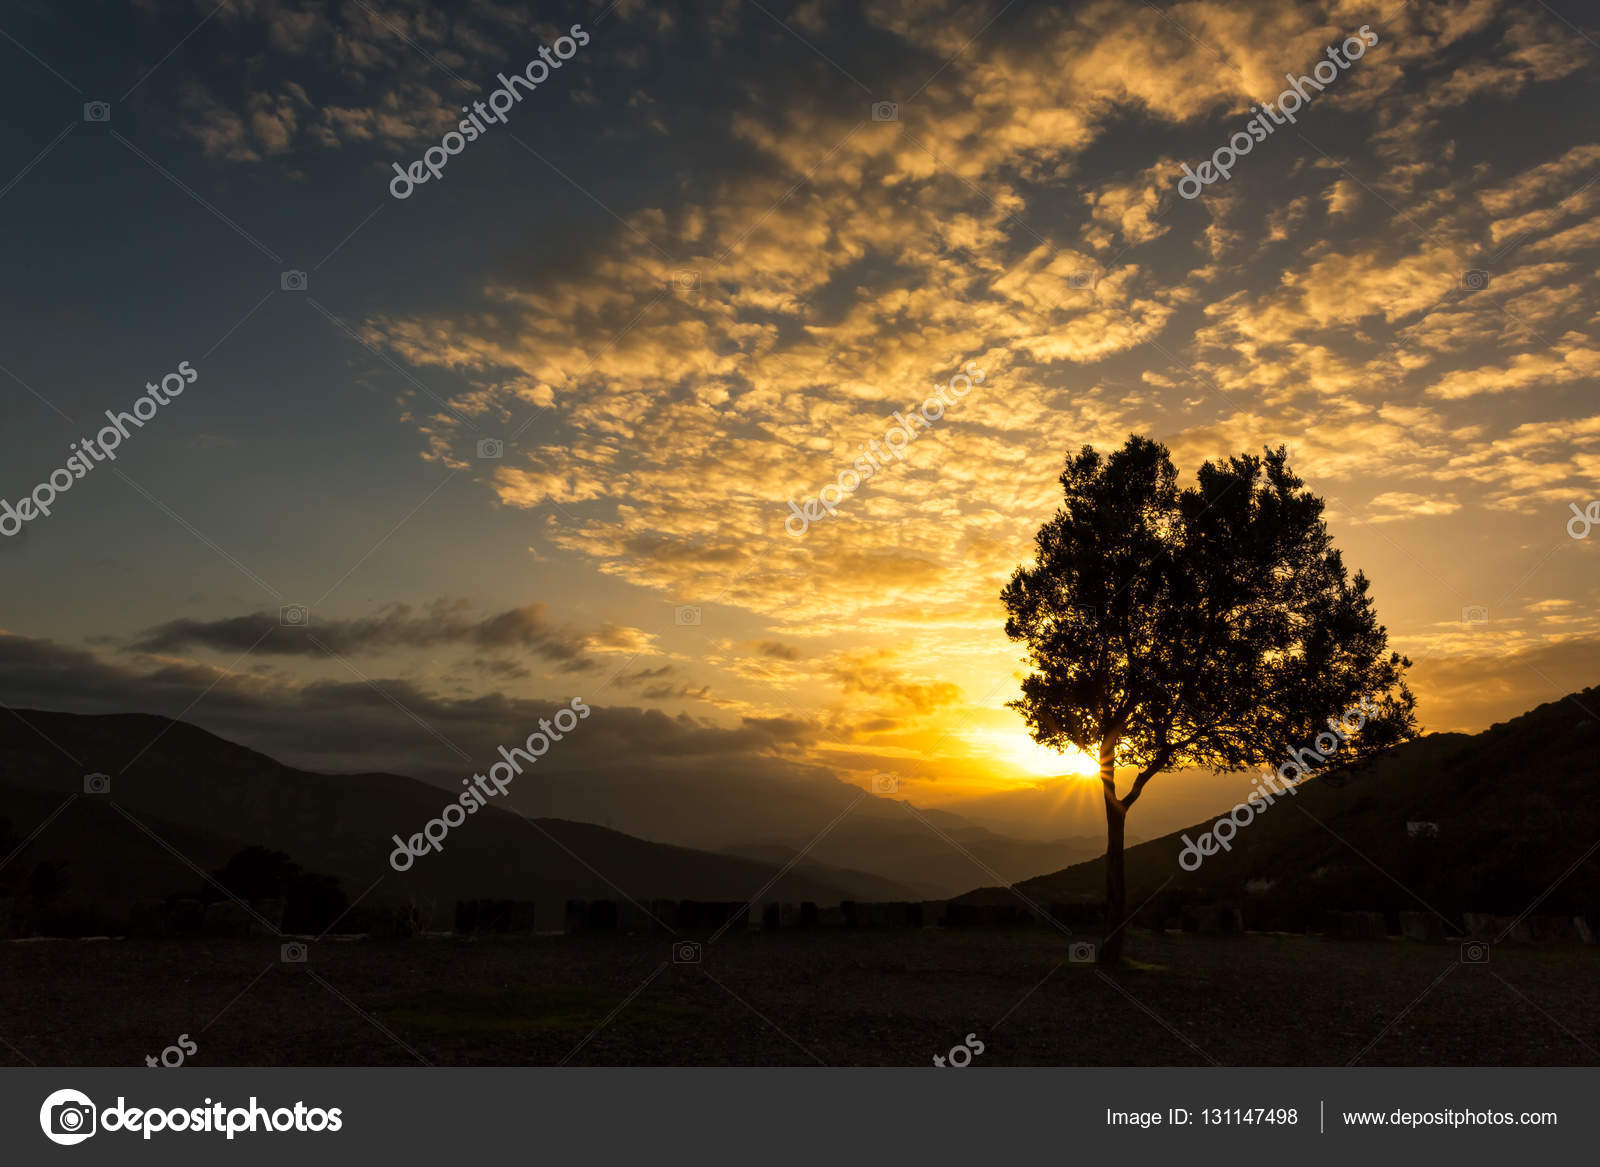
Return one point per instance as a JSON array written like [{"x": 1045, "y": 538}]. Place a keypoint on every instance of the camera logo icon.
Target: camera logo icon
[
  {"x": 686, "y": 952},
  {"x": 1475, "y": 952},
  {"x": 67, "y": 1117},
  {"x": 97, "y": 111},
  {"x": 687, "y": 616},
  {"x": 1081, "y": 952},
  {"x": 885, "y": 111},
  {"x": 1475, "y": 280},
  {"x": 97, "y": 783},
  {"x": 292, "y": 281},
  {"x": 294, "y": 616},
  {"x": 1474, "y": 614},
  {"x": 293, "y": 952},
  {"x": 1079, "y": 280},
  {"x": 885, "y": 784},
  {"x": 685, "y": 280},
  {"x": 491, "y": 448}
]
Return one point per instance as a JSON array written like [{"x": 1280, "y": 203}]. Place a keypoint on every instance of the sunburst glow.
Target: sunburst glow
[{"x": 1018, "y": 756}]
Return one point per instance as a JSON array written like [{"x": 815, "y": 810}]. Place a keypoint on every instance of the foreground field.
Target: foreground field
[{"x": 835, "y": 998}]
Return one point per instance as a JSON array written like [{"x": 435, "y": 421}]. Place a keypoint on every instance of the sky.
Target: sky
[{"x": 533, "y": 431}]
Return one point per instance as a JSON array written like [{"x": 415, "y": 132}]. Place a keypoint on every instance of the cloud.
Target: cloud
[
  {"x": 777, "y": 650},
  {"x": 1394, "y": 505},
  {"x": 395, "y": 725},
  {"x": 388, "y": 723},
  {"x": 1472, "y": 690},
  {"x": 1526, "y": 371},
  {"x": 870, "y": 675},
  {"x": 1130, "y": 210},
  {"x": 396, "y": 627},
  {"x": 1018, "y": 216},
  {"x": 389, "y": 79}
]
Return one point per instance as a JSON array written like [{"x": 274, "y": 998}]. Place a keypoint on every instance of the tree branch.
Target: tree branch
[{"x": 1145, "y": 775}]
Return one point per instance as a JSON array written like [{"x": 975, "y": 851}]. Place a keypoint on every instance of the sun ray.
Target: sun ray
[{"x": 1017, "y": 757}]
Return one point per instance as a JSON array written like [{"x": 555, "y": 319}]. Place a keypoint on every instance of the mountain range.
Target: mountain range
[{"x": 189, "y": 801}]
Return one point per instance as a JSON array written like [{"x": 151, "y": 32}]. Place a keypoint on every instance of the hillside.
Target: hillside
[{"x": 1515, "y": 808}]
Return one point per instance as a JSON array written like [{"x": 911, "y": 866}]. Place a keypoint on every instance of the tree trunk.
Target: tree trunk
[{"x": 1110, "y": 951}]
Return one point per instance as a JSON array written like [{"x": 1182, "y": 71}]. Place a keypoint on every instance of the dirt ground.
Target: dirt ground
[{"x": 837, "y": 998}]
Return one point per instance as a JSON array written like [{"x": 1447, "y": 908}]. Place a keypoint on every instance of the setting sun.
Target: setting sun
[{"x": 1020, "y": 757}]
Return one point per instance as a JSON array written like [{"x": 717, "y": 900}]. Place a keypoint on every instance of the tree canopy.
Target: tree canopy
[{"x": 1209, "y": 627}]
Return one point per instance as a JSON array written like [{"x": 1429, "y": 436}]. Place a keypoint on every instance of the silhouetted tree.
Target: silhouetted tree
[
  {"x": 311, "y": 901},
  {"x": 256, "y": 873},
  {"x": 1210, "y": 627},
  {"x": 31, "y": 895}
]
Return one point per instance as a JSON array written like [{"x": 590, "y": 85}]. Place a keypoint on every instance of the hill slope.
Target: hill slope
[{"x": 1515, "y": 805}]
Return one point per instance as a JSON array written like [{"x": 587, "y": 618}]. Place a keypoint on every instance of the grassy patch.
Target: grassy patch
[{"x": 1140, "y": 965}]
